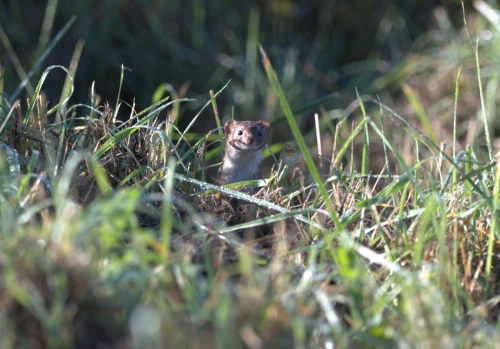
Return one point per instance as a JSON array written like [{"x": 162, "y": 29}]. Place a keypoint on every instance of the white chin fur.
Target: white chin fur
[{"x": 241, "y": 165}]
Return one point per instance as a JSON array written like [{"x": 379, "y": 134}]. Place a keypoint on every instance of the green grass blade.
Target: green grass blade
[
  {"x": 493, "y": 228},
  {"x": 220, "y": 128},
  {"x": 44, "y": 55},
  {"x": 39, "y": 87},
  {"x": 382, "y": 129},
  {"x": 48, "y": 22},
  {"x": 457, "y": 87},
  {"x": 73, "y": 66},
  {"x": 267, "y": 220},
  {"x": 152, "y": 107},
  {"x": 481, "y": 98},
  {"x": 17, "y": 66},
  {"x": 420, "y": 111},
  {"x": 366, "y": 144},
  {"x": 167, "y": 216},
  {"x": 251, "y": 56},
  {"x": 298, "y": 137},
  {"x": 117, "y": 106},
  {"x": 348, "y": 141},
  {"x": 201, "y": 110}
]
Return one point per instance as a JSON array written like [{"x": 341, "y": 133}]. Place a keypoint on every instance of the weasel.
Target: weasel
[{"x": 244, "y": 143}]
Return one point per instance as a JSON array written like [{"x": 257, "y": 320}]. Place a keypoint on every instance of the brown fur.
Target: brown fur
[{"x": 245, "y": 142}]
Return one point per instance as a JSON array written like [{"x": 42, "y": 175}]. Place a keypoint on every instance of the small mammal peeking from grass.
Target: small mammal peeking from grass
[{"x": 245, "y": 141}]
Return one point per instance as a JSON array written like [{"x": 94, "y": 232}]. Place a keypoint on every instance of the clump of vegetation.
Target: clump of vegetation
[{"x": 114, "y": 235}]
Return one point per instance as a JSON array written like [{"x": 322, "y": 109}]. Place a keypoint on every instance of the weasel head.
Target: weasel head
[
  {"x": 245, "y": 141},
  {"x": 247, "y": 135}
]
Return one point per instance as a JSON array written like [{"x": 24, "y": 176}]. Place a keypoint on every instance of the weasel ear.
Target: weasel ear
[
  {"x": 229, "y": 126},
  {"x": 266, "y": 125}
]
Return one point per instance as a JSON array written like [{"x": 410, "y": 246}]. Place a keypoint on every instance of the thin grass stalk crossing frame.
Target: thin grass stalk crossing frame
[
  {"x": 481, "y": 98},
  {"x": 457, "y": 88},
  {"x": 299, "y": 138},
  {"x": 117, "y": 105},
  {"x": 493, "y": 227}
]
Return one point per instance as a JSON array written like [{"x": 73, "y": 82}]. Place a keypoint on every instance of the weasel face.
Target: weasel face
[
  {"x": 247, "y": 135},
  {"x": 245, "y": 140}
]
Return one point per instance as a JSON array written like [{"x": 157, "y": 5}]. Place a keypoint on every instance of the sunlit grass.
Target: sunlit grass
[{"x": 113, "y": 233}]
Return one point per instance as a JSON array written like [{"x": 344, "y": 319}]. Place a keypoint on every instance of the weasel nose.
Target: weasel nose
[{"x": 250, "y": 140}]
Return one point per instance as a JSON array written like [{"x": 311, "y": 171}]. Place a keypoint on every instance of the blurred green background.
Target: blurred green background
[{"x": 317, "y": 48}]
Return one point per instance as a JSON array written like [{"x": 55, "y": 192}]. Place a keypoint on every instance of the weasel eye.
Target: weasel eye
[
  {"x": 240, "y": 132},
  {"x": 260, "y": 134}
]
